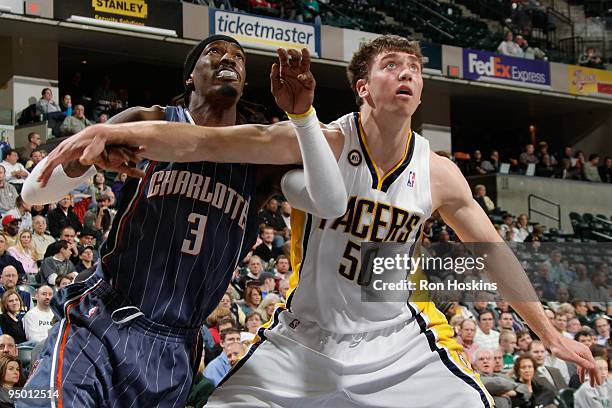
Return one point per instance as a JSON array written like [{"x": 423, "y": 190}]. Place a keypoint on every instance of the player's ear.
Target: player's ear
[{"x": 362, "y": 88}]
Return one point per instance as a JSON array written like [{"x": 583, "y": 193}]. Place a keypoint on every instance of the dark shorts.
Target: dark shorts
[{"x": 105, "y": 353}]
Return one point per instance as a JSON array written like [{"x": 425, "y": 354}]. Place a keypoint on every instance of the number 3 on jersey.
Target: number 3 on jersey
[{"x": 193, "y": 246}]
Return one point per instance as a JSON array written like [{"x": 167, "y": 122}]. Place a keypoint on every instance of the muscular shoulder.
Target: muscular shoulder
[{"x": 448, "y": 186}]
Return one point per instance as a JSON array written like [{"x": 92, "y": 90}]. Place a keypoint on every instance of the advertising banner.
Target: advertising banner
[
  {"x": 589, "y": 81},
  {"x": 353, "y": 39},
  {"x": 165, "y": 14},
  {"x": 265, "y": 32},
  {"x": 487, "y": 66}
]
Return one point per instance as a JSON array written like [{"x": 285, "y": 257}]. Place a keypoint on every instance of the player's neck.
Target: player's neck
[
  {"x": 209, "y": 113},
  {"x": 386, "y": 137}
]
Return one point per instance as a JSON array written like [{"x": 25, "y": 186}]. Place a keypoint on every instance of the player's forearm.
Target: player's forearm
[{"x": 180, "y": 142}]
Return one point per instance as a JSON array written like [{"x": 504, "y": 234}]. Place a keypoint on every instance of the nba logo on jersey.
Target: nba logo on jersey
[
  {"x": 411, "y": 178},
  {"x": 294, "y": 324},
  {"x": 92, "y": 312}
]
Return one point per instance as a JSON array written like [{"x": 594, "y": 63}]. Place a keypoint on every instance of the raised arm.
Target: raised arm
[
  {"x": 452, "y": 197},
  {"x": 66, "y": 173}
]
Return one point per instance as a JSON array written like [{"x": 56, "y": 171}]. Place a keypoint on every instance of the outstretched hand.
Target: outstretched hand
[
  {"x": 90, "y": 147},
  {"x": 292, "y": 82},
  {"x": 571, "y": 350}
]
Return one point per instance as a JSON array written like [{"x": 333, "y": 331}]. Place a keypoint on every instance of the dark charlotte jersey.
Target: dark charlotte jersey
[{"x": 178, "y": 235}]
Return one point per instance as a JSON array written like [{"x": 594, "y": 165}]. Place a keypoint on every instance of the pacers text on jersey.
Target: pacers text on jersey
[{"x": 198, "y": 187}]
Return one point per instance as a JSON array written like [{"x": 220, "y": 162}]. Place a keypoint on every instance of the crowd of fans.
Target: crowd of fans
[{"x": 567, "y": 165}]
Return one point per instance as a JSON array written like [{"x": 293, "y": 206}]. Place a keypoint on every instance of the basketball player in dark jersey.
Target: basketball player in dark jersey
[{"x": 129, "y": 333}]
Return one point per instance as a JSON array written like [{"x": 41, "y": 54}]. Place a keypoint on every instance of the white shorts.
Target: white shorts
[{"x": 298, "y": 364}]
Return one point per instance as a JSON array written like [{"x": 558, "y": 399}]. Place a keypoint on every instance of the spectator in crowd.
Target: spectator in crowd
[
  {"x": 558, "y": 272},
  {"x": 99, "y": 218},
  {"x": 283, "y": 288},
  {"x": 501, "y": 387},
  {"x": 252, "y": 299},
  {"x": 481, "y": 197},
  {"x": 87, "y": 237},
  {"x": 596, "y": 290},
  {"x": 286, "y": 216},
  {"x": 590, "y": 169},
  {"x": 75, "y": 123},
  {"x": 9, "y": 279},
  {"x": 63, "y": 216},
  {"x": 233, "y": 351},
  {"x": 507, "y": 344},
  {"x": 486, "y": 337},
  {"x": 492, "y": 164},
  {"x": 579, "y": 161},
  {"x": 24, "y": 252},
  {"x": 254, "y": 270},
  {"x": 283, "y": 267},
  {"x": 475, "y": 164},
  {"x": 578, "y": 287},
  {"x": 253, "y": 322},
  {"x": 545, "y": 168},
  {"x": 528, "y": 156},
  {"x": 6, "y": 259},
  {"x": 98, "y": 186},
  {"x": 598, "y": 396},
  {"x": 525, "y": 373},
  {"x": 467, "y": 331},
  {"x": 103, "y": 118},
  {"x": 62, "y": 281},
  {"x": 7, "y": 345},
  {"x": 10, "y": 227},
  {"x": 568, "y": 153},
  {"x": 507, "y": 224},
  {"x": 266, "y": 251},
  {"x": 309, "y": 9},
  {"x": 602, "y": 325},
  {"x": 37, "y": 321},
  {"x": 573, "y": 327},
  {"x": 36, "y": 157},
  {"x": 33, "y": 144},
  {"x": 269, "y": 216},
  {"x": 508, "y": 319},
  {"x": 118, "y": 185},
  {"x": 86, "y": 259},
  {"x": 15, "y": 173},
  {"x": 565, "y": 171},
  {"x": 40, "y": 238},
  {"x": 267, "y": 283},
  {"x": 523, "y": 340},
  {"x": 66, "y": 105},
  {"x": 522, "y": 229},
  {"x": 529, "y": 52},
  {"x": 509, "y": 47},
  {"x": 57, "y": 264},
  {"x": 46, "y": 104},
  {"x": 11, "y": 377},
  {"x": 560, "y": 323},
  {"x": 22, "y": 213},
  {"x": 10, "y": 319},
  {"x": 498, "y": 360},
  {"x": 8, "y": 193},
  {"x": 543, "y": 151},
  {"x": 103, "y": 96},
  {"x": 546, "y": 376},
  {"x": 591, "y": 59},
  {"x": 605, "y": 170},
  {"x": 267, "y": 306}
]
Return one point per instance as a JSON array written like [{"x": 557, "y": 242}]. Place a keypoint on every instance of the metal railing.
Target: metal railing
[{"x": 533, "y": 197}]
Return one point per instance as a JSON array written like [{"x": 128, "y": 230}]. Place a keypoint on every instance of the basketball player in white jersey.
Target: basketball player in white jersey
[{"x": 327, "y": 348}]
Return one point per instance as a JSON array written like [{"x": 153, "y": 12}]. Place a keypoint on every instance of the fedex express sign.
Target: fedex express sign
[{"x": 487, "y": 66}]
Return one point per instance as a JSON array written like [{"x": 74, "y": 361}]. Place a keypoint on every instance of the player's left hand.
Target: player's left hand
[
  {"x": 571, "y": 350},
  {"x": 292, "y": 82}
]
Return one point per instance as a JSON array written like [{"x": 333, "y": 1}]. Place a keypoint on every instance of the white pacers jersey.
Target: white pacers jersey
[{"x": 326, "y": 253}]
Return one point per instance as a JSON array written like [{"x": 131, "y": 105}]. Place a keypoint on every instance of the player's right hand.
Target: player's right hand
[{"x": 90, "y": 147}]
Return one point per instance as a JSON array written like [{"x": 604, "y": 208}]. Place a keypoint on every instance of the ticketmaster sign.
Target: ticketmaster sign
[{"x": 265, "y": 33}]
